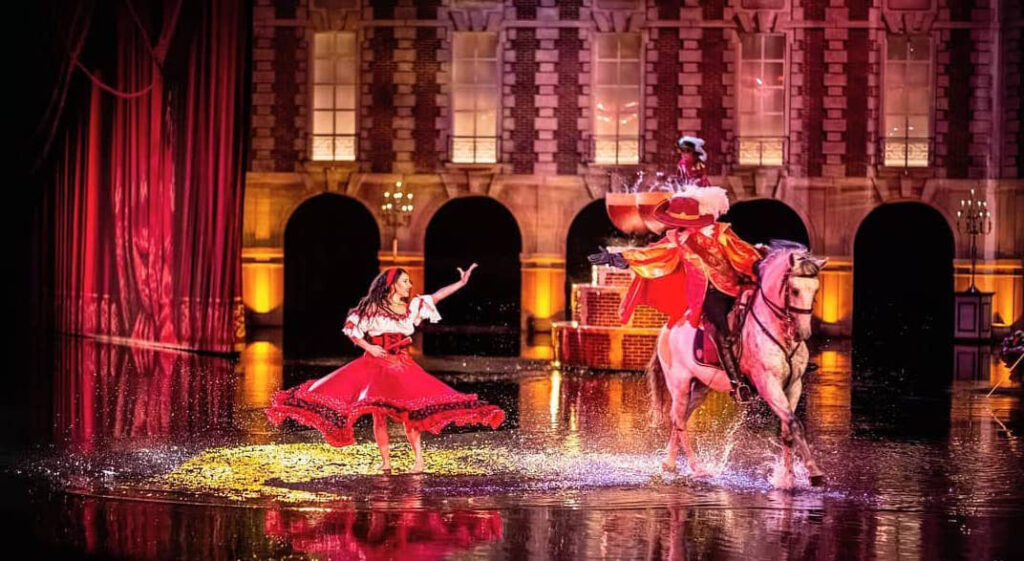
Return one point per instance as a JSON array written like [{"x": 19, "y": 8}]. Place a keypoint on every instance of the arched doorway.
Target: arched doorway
[
  {"x": 903, "y": 313},
  {"x": 762, "y": 220},
  {"x": 590, "y": 230},
  {"x": 484, "y": 317},
  {"x": 330, "y": 257}
]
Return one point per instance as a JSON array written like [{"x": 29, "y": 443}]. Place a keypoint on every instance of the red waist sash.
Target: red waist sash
[{"x": 393, "y": 343}]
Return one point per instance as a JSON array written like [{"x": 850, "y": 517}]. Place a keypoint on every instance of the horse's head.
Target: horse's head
[{"x": 789, "y": 276}]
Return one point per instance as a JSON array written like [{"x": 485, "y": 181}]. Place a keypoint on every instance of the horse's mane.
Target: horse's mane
[{"x": 778, "y": 249}]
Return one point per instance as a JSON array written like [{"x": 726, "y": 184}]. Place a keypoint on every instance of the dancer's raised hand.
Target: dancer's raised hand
[{"x": 464, "y": 275}]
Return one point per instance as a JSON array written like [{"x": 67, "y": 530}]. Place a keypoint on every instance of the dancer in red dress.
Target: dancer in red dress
[{"x": 385, "y": 381}]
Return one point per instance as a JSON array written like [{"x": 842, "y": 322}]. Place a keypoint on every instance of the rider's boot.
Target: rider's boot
[{"x": 740, "y": 390}]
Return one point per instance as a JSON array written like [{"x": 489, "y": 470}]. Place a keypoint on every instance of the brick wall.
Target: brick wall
[{"x": 690, "y": 52}]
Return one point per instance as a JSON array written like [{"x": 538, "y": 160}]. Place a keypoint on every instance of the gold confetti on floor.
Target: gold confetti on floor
[{"x": 243, "y": 473}]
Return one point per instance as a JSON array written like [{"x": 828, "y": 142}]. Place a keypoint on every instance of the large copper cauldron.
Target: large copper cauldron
[{"x": 632, "y": 212}]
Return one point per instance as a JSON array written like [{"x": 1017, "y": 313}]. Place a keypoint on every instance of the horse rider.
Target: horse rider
[{"x": 696, "y": 269}]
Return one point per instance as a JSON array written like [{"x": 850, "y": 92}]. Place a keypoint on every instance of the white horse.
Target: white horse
[{"x": 773, "y": 354}]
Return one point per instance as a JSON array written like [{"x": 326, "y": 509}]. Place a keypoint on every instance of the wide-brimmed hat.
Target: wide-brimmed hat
[
  {"x": 696, "y": 143},
  {"x": 694, "y": 207}
]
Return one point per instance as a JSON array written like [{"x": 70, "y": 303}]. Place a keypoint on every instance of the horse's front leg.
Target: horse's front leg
[
  {"x": 792, "y": 429},
  {"x": 793, "y": 393}
]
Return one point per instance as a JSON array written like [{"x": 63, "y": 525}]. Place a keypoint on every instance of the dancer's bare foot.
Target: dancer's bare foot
[
  {"x": 385, "y": 468},
  {"x": 417, "y": 466},
  {"x": 668, "y": 466}
]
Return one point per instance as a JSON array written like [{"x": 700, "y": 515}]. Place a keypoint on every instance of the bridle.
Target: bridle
[{"x": 787, "y": 313}]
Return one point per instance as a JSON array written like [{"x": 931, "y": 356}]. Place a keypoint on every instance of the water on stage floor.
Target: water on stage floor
[{"x": 136, "y": 453}]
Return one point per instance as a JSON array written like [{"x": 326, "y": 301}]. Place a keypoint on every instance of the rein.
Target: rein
[{"x": 785, "y": 313}]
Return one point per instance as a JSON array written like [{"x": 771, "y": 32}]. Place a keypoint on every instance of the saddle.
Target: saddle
[{"x": 705, "y": 351}]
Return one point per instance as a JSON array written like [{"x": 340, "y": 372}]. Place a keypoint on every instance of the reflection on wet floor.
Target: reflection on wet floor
[{"x": 150, "y": 454}]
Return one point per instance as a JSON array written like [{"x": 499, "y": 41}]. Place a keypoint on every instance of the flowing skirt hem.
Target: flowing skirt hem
[{"x": 335, "y": 419}]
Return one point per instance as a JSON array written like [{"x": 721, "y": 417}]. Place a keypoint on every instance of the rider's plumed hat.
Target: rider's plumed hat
[
  {"x": 696, "y": 143},
  {"x": 693, "y": 207}
]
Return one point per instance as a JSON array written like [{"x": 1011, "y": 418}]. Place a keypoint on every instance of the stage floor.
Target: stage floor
[{"x": 143, "y": 454}]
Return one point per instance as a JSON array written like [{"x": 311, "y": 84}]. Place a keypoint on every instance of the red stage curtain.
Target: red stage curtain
[{"x": 145, "y": 209}]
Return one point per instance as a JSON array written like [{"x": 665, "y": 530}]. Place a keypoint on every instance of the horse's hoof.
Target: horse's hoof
[
  {"x": 669, "y": 467},
  {"x": 817, "y": 480}
]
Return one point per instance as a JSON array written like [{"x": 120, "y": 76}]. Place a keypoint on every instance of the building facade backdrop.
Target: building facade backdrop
[{"x": 833, "y": 107}]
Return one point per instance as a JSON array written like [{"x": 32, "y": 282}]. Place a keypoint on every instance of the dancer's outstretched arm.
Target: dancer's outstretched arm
[{"x": 446, "y": 291}]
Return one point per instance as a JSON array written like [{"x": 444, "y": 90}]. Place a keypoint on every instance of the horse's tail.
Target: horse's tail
[{"x": 657, "y": 387}]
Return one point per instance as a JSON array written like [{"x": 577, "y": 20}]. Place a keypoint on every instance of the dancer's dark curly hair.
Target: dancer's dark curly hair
[{"x": 376, "y": 300}]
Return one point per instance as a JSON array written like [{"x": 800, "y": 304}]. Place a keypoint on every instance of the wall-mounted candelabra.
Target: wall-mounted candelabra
[{"x": 396, "y": 210}]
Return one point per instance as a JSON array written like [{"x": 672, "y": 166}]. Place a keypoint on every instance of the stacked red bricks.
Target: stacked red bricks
[{"x": 596, "y": 338}]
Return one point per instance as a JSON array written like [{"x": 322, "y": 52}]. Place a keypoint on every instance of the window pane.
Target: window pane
[
  {"x": 345, "y": 72},
  {"x": 604, "y": 124},
  {"x": 629, "y": 124},
  {"x": 775, "y": 47},
  {"x": 918, "y": 100},
  {"x": 323, "y": 71},
  {"x": 750, "y": 46},
  {"x": 605, "y": 151},
  {"x": 344, "y": 122},
  {"x": 895, "y": 152},
  {"x": 752, "y": 75},
  {"x": 323, "y": 122},
  {"x": 895, "y": 125},
  {"x": 486, "y": 123},
  {"x": 750, "y": 152},
  {"x": 322, "y": 44},
  {"x": 771, "y": 152},
  {"x": 345, "y": 45},
  {"x": 462, "y": 72},
  {"x": 774, "y": 101},
  {"x": 322, "y": 97},
  {"x": 894, "y": 74},
  {"x": 629, "y": 46},
  {"x": 463, "y": 125},
  {"x": 462, "y": 150},
  {"x": 486, "y": 150},
  {"x": 607, "y": 46},
  {"x": 917, "y": 153},
  {"x": 896, "y": 47},
  {"x": 774, "y": 73},
  {"x": 464, "y": 46},
  {"x": 895, "y": 101},
  {"x": 746, "y": 101},
  {"x": 323, "y": 148},
  {"x": 750, "y": 125},
  {"x": 345, "y": 97},
  {"x": 462, "y": 100},
  {"x": 629, "y": 73},
  {"x": 919, "y": 48},
  {"x": 486, "y": 72},
  {"x": 773, "y": 125},
  {"x": 628, "y": 99},
  {"x": 607, "y": 73},
  {"x": 917, "y": 74},
  {"x": 345, "y": 148},
  {"x": 487, "y": 46},
  {"x": 486, "y": 99},
  {"x": 629, "y": 151},
  {"x": 917, "y": 126}
]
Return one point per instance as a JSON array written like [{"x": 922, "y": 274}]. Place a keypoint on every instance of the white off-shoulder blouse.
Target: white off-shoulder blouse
[{"x": 420, "y": 308}]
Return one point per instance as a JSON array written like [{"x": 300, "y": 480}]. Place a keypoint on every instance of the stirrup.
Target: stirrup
[{"x": 742, "y": 393}]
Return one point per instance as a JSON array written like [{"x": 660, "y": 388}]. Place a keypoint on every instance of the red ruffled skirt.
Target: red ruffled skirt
[{"x": 395, "y": 386}]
